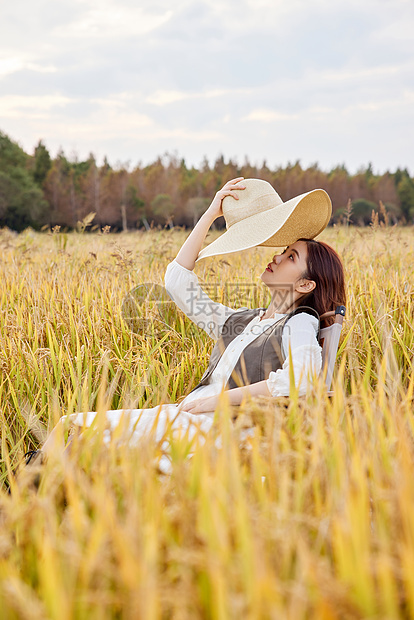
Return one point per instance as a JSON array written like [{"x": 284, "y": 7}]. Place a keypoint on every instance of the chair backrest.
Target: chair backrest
[{"x": 329, "y": 341}]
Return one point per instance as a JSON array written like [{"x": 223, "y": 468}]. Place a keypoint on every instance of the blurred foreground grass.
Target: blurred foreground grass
[{"x": 312, "y": 516}]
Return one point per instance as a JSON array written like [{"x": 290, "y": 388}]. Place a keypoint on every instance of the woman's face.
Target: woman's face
[{"x": 286, "y": 269}]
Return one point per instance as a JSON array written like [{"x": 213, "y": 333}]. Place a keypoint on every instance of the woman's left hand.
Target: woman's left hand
[{"x": 201, "y": 405}]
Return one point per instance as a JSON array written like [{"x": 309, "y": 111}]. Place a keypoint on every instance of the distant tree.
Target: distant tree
[
  {"x": 195, "y": 207},
  {"x": 338, "y": 187},
  {"x": 153, "y": 177},
  {"x": 88, "y": 180},
  {"x": 163, "y": 208},
  {"x": 386, "y": 191},
  {"x": 56, "y": 188},
  {"x": 168, "y": 188},
  {"x": 106, "y": 165},
  {"x": 362, "y": 211},
  {"x": 42, "y": 163},
  {"x": 134, "y": 203},
  {"x": 205, "y": 166},
  {"x": 11, "y": 154},
  {"x": 22, "y": 203},
  {"x": 393, "y": 212},
  {"x": 405, "y": 190},
  {"x": 219, "y": 165}
]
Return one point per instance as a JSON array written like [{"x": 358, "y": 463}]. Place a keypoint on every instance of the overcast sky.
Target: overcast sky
[{"x": 322, "y": 81}]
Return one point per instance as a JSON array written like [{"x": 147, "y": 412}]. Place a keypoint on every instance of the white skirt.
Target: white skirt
[{"x": 139, "y": 423}]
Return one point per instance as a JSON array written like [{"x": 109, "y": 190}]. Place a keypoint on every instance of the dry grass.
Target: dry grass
[{"x": 310, "y": 517}]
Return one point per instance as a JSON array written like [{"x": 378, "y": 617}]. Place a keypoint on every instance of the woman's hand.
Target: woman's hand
[
  {"x": 235, "y": 396},
  {"x": 215, "y": 209},
  {"x": 192, "y": 245},
  {"x": 201, "y": 405}
]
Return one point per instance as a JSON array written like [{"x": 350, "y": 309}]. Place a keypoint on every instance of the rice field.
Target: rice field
[{"x": 311, "y": 516}]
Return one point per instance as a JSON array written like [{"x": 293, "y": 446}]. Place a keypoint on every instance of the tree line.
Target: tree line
[{"x": 40, "y": 191}]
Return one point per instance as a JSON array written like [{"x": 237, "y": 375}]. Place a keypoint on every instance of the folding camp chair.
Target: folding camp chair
[{"x": 329, "y": 340}]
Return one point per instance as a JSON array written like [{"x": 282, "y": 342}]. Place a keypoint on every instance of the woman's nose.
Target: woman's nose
[{"x": 277, "y": 258}]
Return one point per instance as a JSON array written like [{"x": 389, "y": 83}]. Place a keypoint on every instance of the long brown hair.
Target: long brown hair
[{"x": 324, "y": 267}]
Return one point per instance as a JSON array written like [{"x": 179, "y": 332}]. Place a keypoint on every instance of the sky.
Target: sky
[{"x": 323, "y": 81}]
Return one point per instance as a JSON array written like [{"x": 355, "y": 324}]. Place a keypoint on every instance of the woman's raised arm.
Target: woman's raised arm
[{"x": 186, "y": 257}]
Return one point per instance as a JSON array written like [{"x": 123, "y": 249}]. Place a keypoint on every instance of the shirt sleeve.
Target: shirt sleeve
[
  {"x": 300, "y": 334},
  {"x": 184, "y": 289}
]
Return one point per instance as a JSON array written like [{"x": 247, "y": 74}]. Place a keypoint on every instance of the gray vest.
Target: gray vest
[{"x": 260, "y": 357}]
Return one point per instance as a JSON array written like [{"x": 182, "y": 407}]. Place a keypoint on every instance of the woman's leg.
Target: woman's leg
[{"x": 132, "y": 425}]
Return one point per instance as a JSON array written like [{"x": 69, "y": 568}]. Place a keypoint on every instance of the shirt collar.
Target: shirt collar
[{"x": 276, "y": 317}]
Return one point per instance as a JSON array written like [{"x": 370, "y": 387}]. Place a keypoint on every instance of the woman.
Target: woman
[{"x": 254, "y": 346}]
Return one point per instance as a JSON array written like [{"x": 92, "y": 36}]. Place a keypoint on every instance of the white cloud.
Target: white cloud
[
  {"x": 323, "y": 112},
  {"x": 165, "y": 97},
  {"x": 106, "y": 19},
  {"x": 14, "y": 106},
  {"x": 191, "y": 136},
  {"x": 358, "y": 74},
  {"x": 258, "y": 77},
  {"x": 131, "y": 125},
  {"x": 394, "y": 105},
  {"x": 264, "y": 115},
  {"x": 13, "y": 64}
]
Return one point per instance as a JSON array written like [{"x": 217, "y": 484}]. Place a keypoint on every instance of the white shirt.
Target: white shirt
[{"x": 299, "y": 334}]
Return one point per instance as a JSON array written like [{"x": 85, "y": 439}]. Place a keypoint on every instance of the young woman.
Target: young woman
[{"x": 255, "y": 347}]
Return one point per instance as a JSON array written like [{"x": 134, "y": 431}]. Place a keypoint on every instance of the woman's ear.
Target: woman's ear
[{"x": 305, "y": 286}]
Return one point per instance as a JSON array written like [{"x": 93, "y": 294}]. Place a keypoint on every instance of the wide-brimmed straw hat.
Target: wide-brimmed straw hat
[{"x": 260, "y": 218}]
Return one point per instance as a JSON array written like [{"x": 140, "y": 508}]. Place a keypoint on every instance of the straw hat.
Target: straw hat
[{"x": 260, "y": 217}]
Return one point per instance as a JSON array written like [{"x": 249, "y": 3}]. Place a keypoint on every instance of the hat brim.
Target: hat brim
[{"x": 304, "y": 216}]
